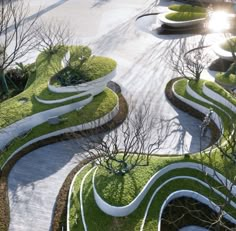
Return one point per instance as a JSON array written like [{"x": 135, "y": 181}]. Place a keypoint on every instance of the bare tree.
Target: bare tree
[
  {"x": 52, "y": 35},
  {"x": 17, "y": 36},
  {"x": 130, "y": 145},
  {"x": 189, "y": 60}
]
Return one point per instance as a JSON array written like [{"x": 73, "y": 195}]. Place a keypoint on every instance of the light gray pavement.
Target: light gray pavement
[{"x": 109, "y": 28}]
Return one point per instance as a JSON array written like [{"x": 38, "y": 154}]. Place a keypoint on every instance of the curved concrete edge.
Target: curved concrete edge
[
  {"x": 163, "y": 19},
  {"x": 22, "y": 126},
  {"x": 120, "y": 211},
  {"x": 60, "y": 100},
  {"x": 194, "y": 195},
  {"x": 89, "y": 86},
  {"x": 71, "y": 189},
  {"x": 81, "y": 198},
  {"x": 210, "y": 93},
  {"x": 99, "y": 122},
  {"x": 200, "y": 108},
  {"x": 166, "y": 200},
  {"x": 223, "y": 54},
  {"x": 194, "y": 94}
]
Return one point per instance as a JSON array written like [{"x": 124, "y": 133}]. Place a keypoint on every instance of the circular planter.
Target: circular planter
[
  {"x": 164, "y": 20},
  {"x": 89, "y": 86}
]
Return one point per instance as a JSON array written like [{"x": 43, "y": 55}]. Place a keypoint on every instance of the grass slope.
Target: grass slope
[{"x": 100, "y": 106}]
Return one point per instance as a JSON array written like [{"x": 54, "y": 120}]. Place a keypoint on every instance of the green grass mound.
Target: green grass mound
[
  {"x": 100, "y": 106},
  {"x": 97, "y": 67},
  {"x": 185, "y": 16},
  {"x": 187, "y": 8},
  {"x": 229, "y": 45},
  {"x": 227, "y": 80},
  {"x": 82, "y": 68},
  {"x": 47, "y": 65}
]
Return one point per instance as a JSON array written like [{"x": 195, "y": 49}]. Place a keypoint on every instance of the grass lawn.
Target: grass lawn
[
  {"x": 101, "y": 105},
  {"x": 185, "y": 16},
  {"x": 187, "y": 8}
]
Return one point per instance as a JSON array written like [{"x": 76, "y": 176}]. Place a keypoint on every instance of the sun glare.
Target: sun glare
[{"x": 219, "y": 21}]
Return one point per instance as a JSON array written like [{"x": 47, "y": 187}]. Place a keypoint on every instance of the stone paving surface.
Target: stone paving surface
[{"x": 109, "y": 28}]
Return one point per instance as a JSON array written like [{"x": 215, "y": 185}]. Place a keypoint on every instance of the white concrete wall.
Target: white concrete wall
[
  {"x": 207, "y": 91},
  {"x": 200, "y": 108},
  {"x": 89, "y": 86}
]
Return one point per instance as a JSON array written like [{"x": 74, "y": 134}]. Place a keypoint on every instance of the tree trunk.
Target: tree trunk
[{"x": 4, "y": 82}]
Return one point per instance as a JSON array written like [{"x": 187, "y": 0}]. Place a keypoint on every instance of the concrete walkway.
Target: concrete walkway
[{"x": 109, "y": 28}]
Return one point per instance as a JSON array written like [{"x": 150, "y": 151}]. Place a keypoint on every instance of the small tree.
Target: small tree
[
  {"x": 17, "y": 35},
  {"x": 130, "y": 145},
  {"x": 189, "y": 60}
]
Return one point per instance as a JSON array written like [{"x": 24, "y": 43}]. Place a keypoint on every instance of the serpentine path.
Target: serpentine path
[{"x": 109, "y": 28}]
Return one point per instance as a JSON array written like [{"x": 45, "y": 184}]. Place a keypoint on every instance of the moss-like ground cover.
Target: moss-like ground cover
[
  {"x": 187, "y": 8},
  {"x": 185, "y": 16}
]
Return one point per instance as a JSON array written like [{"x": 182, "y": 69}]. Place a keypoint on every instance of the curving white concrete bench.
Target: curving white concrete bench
[
  {"x": 163, "y": 19},
  {"x": 223, "y": 54}
]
